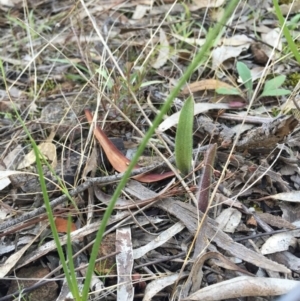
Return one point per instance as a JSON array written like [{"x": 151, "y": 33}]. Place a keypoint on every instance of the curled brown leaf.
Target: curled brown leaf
[{"x": 117, "y": 159}]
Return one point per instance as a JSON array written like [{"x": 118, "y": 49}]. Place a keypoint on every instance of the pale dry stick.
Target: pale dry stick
[
  {"x": 293, "y": 295},
  {"x": 138, "y": 104}
]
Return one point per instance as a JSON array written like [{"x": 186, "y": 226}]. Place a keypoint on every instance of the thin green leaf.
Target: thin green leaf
[
  {"x": 276, "y": 92},
  {"x": 228, "y": 91},
  {"x": 274, "y": 83},
  {"x": 184, "y": 137},
  {"x": 292, "y": 45},
  {"x": 245, "y": 74},
  {"x": 72, "y": 273}
]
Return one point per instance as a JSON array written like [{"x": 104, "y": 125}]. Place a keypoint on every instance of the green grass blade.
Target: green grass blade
[
  {"x": 286, "y": 32},
  {"x": 75, "y": 289}
]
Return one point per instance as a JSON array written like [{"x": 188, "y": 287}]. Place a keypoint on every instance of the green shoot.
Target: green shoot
[{"x": 184, "y": 137}]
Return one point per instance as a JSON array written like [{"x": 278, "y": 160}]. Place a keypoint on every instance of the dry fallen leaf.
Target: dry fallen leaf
[
  {"x": 272, "y": 38},
  {"x": 194, "y": 280},
  {"x": 62, "y": 225},
  {"x": 199, "y": 108},
  {"x": 223, "y": 53},
  {"x": 124, "y": 262},
  {"x": 279, "y": 242},
  {"x": 257, "y": 72},
  {"x": 9, "y": 162},
  {"x": 208, "y": 3},
  {"x": 244, "y": 286},
  {"x": 118, "y": 160},
  {"x": 47, "y": 149},
  {"x": 10, "y": 3},
  {"x": 4, "y": 177},
  {"x": 292, "y": 7},
  {"x": 275, "y": 221},
  {"x": 159, "y": 240},
  {"x": 236, "y": 40},
  {"x": 159, "y": 284},
  {"x": 291, "y": 196},
  {"x": 164, "y": 49},
  {"x": 4, "y": 180},
  {"x": 229, "y": 219},
  {"x": 140, "y": 11},
  {"x": 15, "y": 257}
]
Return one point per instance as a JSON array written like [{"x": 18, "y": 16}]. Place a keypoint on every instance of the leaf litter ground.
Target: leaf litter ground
[{"x": 59, "y": 74}]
